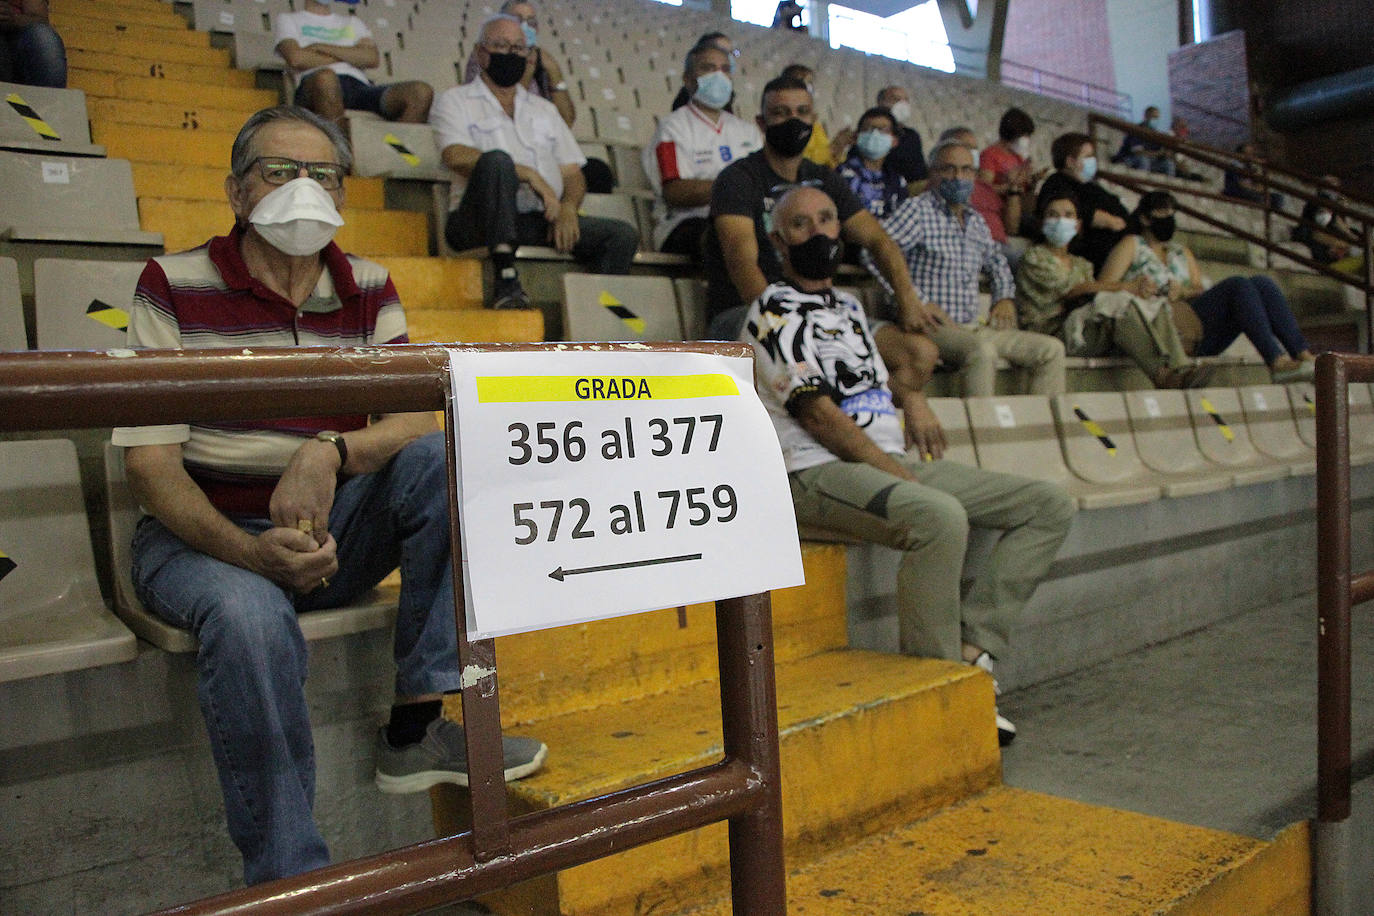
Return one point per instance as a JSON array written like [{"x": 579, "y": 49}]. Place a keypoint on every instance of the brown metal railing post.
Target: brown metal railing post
[
  {"x": 1368, "y": 287},
  {"x": 749, "y": 718},
  {"x": 1332, "y": 838}
]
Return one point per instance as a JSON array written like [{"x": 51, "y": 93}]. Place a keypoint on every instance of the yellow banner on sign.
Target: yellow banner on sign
[{"x": 507, "y": 389}]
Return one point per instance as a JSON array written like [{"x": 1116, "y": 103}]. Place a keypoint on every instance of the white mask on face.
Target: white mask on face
[
  {"x": 1021, "y": 146},
  {"x": 299, "y": 218},
  {"x": 901, "y": 111}
]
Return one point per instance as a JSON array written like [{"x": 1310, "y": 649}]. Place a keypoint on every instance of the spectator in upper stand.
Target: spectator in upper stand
[
  {"x": 31, "y": 51},
  {"x": 1329, "y": 237},
  {"x": 1007, "y": 165},
  {"x": 1253, "y": 306},
  {"x": 1102, "y": 213},
  {"x": 1056, "y": 294},
  {"x": 250, "y": 523},
  {"x": 947, "y": 246},
  {"x": 739, "y": 261},
  {"x": 907, "y": 158},
  {"x": 544, "y": 78},
  {"x": 821, "y": 149},
  {"x": 788, "y": 16},
  {"x": 868, "y": 170},
  {"x": 723, "y": 42},
  {"x": 690, "y": 148},
  {"x": 997, "y": 211},
  {"x": 1180, "y": 129},
  {"x": 1242, "y": 180},
  {"x": 327, "y": 53},
  {"x": 518, "y": 170},
  {"x": 852, "y": 470},
  {"x": 1144, "y": 154}
]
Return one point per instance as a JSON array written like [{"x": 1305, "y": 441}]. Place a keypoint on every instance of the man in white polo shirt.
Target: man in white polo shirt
[
  {"x": 518, "y": 170},
  {"x": 690, "y": 148},
  {"x": 327, "y": 53}
]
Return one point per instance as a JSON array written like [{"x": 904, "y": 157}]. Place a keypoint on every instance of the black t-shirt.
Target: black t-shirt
[
  {"x": 749, "y": 187},
  {"x": 1093, "y": 243},
  {"x": 907, "y": 159}
]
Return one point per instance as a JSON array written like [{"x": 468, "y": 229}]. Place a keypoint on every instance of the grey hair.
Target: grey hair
[
  {"x": 243, "y": 154},
  {"x": 499, "y": 17},
  {"x": 954, "y": 132},
  {"x": 940, "y": 147}
]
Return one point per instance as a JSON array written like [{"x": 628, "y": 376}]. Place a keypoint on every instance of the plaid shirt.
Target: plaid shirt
[{"x": 944, "y": 257}]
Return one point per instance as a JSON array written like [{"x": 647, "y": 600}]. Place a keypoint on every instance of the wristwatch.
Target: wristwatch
[
  {"x": 337, "y": 440},
  {"x": 560, "y": 86}
]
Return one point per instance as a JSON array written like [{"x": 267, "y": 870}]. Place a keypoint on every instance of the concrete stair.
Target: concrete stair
[
  {"x": 151, "y": 45},
  {"x": 187, "y": 223},
  {"x": 174, "y": 181}
]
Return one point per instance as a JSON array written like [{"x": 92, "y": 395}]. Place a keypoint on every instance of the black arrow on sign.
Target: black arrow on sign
[{"x": 560, "y": 572}]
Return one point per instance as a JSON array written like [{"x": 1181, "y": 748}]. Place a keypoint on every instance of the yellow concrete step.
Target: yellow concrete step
[
  {"x": 168, "y": 145},
  {"x": 867, "y": 741},
  {"x": 104, "y": 84},
  {"x": 206, "y": 182},
  {"x": 475, "y": 325},
  {"x": 186, "y": 116},
  {"x": 78, "y": 12},
  {"x": 1010, "y": 851},
  {"x": 112, "y": 42},
  {"x": 159, "y": 69},
  {"x": 552, "y": 672},
  {"x": 174, "y": 35},
  {"x": 188, "y": 223},
  {"x": 440, "y": 284}
]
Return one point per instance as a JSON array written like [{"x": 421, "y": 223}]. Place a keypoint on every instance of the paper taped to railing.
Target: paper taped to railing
[{"x": 598, "y": 483}]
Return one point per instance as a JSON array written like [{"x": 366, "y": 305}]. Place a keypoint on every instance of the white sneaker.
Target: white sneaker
[{"x": 1006, "y": 731}]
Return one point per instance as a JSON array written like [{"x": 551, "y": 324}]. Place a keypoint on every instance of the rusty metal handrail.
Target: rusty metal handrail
[
  {"x": 1337, "y": 592},
  {"x": 77, "y": 389}
]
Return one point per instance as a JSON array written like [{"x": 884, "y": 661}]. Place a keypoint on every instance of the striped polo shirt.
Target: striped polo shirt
[{"x": 205, "y": 298}]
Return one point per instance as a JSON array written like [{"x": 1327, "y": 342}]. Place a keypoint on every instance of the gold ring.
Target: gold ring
[
  {"x": 305, "y": 525},
  {"x": 324, "y": 583}
]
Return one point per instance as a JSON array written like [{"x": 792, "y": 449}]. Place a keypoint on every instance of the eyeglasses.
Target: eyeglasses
[
  {"x": 280, "y": 170},
  {"x": 505, "y": 47}
]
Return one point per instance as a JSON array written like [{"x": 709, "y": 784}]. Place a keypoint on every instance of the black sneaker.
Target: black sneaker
[{"x": 509, "y": 294}]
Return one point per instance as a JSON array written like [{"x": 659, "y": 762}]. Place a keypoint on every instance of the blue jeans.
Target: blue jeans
[
  {"x": 252, "y": 657},
  {"x": 1253, "y": 306},
  {"x": 34, "y": 56}
]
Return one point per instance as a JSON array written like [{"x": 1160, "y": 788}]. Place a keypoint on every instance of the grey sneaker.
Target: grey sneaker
[
  {"x": 441, "y": 756},
  {"x": 509, "y": 294}
]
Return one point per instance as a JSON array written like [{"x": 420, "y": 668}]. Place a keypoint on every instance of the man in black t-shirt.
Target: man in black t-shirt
[{"x": 1101, "y": 213}]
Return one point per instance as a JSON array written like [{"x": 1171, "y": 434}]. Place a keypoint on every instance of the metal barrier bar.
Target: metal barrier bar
[
  {"x": 1337, "y": 591},
  {"x": 67, "y": 390}
]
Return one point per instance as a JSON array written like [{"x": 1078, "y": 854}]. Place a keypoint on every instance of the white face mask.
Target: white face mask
[
  {"x": 901, "y": 111},
  {"x": 1322, "y": 217},
  {"x": 299, "y": 218},
  {"x": 1021, "y": 146}
]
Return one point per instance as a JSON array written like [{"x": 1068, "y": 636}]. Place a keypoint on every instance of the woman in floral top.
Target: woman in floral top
[
  {"x": 1253, "y": 306},
  {"x": 1057, "y": 295}
]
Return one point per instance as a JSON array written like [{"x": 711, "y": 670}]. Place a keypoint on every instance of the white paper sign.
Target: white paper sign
[
  {"x": 1152, "y": 407},
  {"x": 1260, "y": 402},
  {"x": 56, "y": 173},
  {"x": 226, "y": 18},
  {"x": 1005, "y": 418},
  {"x": 598, "y": 483}
]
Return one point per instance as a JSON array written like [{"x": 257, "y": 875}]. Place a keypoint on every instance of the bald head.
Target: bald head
[{"x": 797, "y": 216}]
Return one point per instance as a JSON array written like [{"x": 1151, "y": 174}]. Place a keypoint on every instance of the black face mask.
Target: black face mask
[
  {"x": 505, "y": 70},
  {"x": 1162, "y": 227},
  {"x": 789, "y": 137},
  {"x": 817, "y": 258}
]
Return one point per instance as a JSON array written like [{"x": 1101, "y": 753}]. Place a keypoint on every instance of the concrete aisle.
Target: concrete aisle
[{"x": 1215, "y": 728}]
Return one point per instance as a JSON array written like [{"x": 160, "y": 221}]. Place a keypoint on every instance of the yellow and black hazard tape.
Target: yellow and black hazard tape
[
  {"x": 616, "y": 308},
  {"x": 108, "y": 315},
  {"x": 1095, "y": 430},
  {"x": 34, "y": 120},
  {"x": 1212, "y": 412},
  {"x": 7, "y": 565},
  {"x": 401, "y": 149}
]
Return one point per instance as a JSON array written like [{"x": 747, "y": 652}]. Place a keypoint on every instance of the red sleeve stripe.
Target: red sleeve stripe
[{"x": 667, "y": 162}]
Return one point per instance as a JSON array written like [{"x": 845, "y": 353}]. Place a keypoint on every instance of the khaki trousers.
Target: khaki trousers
[{"x": 975, "y": 351}]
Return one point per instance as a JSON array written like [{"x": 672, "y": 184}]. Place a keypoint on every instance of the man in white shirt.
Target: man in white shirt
[
  {"x": 690, "y": 148},
  {"x": 327, "y": 53},
  {"x": 518, "y": 170}
]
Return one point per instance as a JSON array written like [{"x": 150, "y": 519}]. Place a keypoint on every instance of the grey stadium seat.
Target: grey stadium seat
[
  {"x": 83, "y": 305},
  {"x": 69, "y": 199},
  {"x": 37, "y": 119},
  {"x": 603, "y": 307},
  {"x": 12, "y": 335}
]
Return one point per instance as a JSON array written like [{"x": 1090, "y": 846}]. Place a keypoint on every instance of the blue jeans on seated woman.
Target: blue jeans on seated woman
[
  {"x": 33, "y": 56},
  {"x": 251, "y": 663},
  {"x": 1253, "y": 306}
]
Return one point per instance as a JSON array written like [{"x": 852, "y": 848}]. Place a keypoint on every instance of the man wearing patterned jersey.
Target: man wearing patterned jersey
[
  {"x": 250, "y": 523},
  {"x": 835, "y": 410},
  {"x": 690, "y": 148},
  {"x": 327, "y": 52}
]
